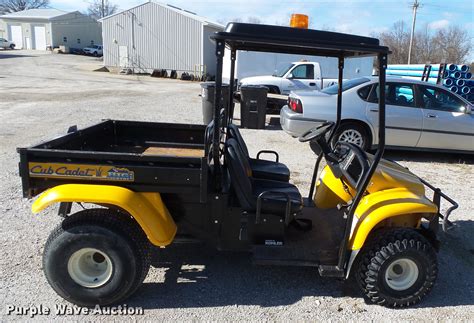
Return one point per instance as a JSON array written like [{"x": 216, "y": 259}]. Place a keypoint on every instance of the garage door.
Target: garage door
[
  {"x": 40, "y": 37},
  {"x": 16, "y": 35}
]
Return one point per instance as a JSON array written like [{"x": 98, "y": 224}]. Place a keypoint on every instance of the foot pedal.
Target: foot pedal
[{"x": 331, "y": 271}]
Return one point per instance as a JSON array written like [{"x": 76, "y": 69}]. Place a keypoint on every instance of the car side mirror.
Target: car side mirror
[{"x": 290, "y": 76}]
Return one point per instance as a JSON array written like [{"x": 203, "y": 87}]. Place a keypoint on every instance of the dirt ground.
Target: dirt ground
[{"x": 41, "y": 95}]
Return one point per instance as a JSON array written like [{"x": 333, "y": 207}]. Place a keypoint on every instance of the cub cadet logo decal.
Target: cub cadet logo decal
[{"x": 93, "y": 172}]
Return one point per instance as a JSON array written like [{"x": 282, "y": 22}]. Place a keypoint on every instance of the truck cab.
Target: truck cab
[{"x": 301, "y": 75}]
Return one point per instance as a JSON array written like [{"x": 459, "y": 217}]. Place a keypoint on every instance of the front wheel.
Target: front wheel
[
  {"x": 397, "y": 268},
  {"x": 12, "y": 46},
  {"x": 353, "y": 133},
  {"x": 96, "y": 257}
]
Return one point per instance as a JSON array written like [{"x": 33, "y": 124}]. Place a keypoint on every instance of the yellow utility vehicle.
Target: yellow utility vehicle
[{"x": 153, "y": 182}]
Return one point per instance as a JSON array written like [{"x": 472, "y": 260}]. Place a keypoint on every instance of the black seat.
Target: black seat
[
  {"x": 264, "y": 169},
  {"x": 248, "y": 189}
]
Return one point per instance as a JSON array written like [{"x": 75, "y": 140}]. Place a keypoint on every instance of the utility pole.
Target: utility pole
[
  {"x": 415, "y": 7},
  {"x": 102, "y": 13}
]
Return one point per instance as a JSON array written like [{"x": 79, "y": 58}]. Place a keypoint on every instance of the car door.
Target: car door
[
  {"x": 446, "y": 125},
  {"x": 301, "y": 77},
  {"x": 403, "y": 115}
]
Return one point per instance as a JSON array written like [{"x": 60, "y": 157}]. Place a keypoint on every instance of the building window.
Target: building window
[
  {"x": 65, "y": 39},
  {"x": 78, "y": 40}
]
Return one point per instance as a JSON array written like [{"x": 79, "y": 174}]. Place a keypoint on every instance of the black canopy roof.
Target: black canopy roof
[{"x": 267, "y": 38}]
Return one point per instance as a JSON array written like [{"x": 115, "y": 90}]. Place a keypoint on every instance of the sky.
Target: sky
[{"x": 359, "y": 17}]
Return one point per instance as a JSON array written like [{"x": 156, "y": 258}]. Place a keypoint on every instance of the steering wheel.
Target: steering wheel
[{"x": 317, "y": 132}]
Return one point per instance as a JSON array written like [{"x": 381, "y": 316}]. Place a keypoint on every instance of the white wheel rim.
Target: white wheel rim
[
  {"x": 401, "y": 274},
  {"x": 90, "y": 267},
  {"x": 352, "y": 136}
]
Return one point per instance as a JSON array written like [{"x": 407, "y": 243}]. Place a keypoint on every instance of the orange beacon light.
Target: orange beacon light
[{"x": 299, "y": 21}]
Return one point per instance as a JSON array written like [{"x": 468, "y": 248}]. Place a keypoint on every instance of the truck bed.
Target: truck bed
[{"x": 142, "y": 156}]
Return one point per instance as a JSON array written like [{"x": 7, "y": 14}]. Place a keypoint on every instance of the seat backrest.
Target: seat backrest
[
  {"x": 235, "y": 134},
  {"x": 208, "y": 134},
  {"x": 240, "y": 174},
  {"x": 402, "y": 100}
]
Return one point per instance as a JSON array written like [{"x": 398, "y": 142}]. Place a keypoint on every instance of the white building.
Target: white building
[
  {"x": 157, "y": 36},
  {"x": 39, "y": 28}
]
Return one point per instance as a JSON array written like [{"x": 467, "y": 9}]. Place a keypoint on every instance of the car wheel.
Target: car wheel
[
  {"x": 398, "y": 268},
  {"x": 12, "y": 46},
  {"x": 95, "y": 54},
  {"x": 352, "y": 133},
  {"x": 96, "y": 257}
]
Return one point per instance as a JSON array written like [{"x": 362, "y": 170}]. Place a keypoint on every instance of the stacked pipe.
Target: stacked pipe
[{"x": 456, "y": 78}]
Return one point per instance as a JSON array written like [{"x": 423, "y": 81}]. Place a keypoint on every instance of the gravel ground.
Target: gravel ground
[{"x": 43, "y": 94}]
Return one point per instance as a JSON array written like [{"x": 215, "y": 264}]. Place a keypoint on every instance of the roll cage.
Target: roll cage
[{"x": 277, "y": 39}]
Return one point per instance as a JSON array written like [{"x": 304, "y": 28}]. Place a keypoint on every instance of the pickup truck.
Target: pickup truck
[
  {"x": 5, "y": 44},
  {"x": 301, "y": 75},
  {"x": 95, "y": 50}
]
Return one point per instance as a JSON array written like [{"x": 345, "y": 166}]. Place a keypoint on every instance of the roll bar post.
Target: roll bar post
[
  {"x": 230, "y": 111},
  {"x": 343, "y": 252},
  {"x": 220, "y": 48},
  {"x": 336, "y": 126}
]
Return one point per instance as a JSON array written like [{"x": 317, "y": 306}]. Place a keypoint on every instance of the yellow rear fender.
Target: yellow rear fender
[
  {"x": 147, "y": 208},
  {"x": 394, "y": 207}
]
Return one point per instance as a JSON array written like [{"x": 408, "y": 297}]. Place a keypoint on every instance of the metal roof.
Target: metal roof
[
  {"x": 268, "y": 38},
  {"x": 36, "y": 14},
  {"x": 183, "y": 12}
]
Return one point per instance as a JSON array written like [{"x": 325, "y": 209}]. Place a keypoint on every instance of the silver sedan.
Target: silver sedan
[{"x": 419, "y": 115}]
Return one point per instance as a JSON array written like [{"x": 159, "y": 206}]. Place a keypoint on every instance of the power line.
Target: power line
[{"x": 415, "y": 6}]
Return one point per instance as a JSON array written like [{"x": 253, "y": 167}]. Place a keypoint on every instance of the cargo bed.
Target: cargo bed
[{"x": 141, "y": 156}]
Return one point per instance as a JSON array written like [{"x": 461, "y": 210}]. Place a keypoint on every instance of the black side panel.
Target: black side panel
[
  {"x": 128, "y": 136},
  {"x": 112, "y": 149}
]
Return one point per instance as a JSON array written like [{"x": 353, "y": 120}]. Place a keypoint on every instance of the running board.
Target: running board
[
  {"x": 331, "y": 271},
  {"x": 288, "y": 256}
]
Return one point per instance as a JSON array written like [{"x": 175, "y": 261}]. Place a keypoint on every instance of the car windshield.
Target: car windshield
[
  {"x": 282, "y": 70},
  {"x": 346, "y": 85}
]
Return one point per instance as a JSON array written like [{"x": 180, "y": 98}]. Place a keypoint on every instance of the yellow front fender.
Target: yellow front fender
[
  {"x": 377, "y": 207},
  {"x": 147, "y": 208}
]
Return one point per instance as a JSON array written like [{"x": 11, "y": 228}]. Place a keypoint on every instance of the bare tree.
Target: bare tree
[
  {"x": 398, "y": 40},
  {"x": 101, "y": 8},
  {"x": 425, "y": 49},
  {"x": 451, "y": 44},
  {"x": 8, "y": 6},
  {"x": 254, "y": 20},
  {"x": 454, "y": 44}
]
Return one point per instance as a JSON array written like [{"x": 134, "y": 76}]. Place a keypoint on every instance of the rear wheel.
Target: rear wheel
[
  {"x": 353, "y": 133},
  {"x": 96, "y": 256},
  {"x": 397, "y": 268},
  {"x": 12, "y": 46}
]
